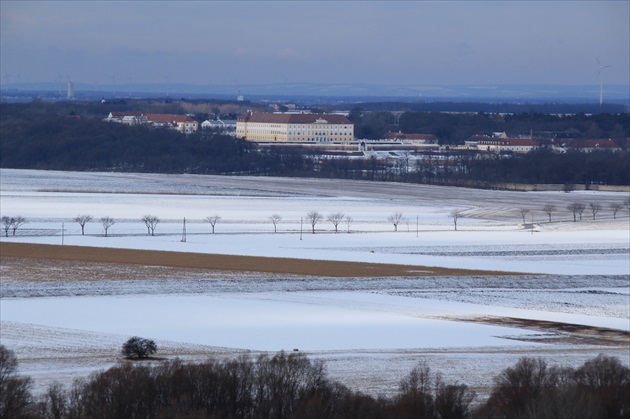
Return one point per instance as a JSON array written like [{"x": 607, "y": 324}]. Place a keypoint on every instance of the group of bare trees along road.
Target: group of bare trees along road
[{"x": 576, "y": 209}]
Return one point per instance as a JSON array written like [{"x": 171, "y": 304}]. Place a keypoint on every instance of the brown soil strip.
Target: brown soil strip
[
  {"x": 567, "y": 332},
  {"x": 229, "y": 262}
]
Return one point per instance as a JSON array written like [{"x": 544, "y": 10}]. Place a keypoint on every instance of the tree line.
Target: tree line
[
  {"x": 454, "y": 128},
  {"x": 36, "y": 136},
  {"x": 290, "y": 385},
  {"x": 485, "y": 170}
]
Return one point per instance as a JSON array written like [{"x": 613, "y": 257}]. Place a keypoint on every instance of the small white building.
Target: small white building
[
  {"x": 227, "y": 126},
  {"x": 182, "y": 123}
]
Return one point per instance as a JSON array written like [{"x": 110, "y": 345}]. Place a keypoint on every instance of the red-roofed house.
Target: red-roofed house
[
  {"x": 303, "y": 128},
  {"x": 589, "y": 146}
]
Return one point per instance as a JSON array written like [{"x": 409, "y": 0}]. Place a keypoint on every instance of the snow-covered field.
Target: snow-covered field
[{"x": 370, "y": 331}]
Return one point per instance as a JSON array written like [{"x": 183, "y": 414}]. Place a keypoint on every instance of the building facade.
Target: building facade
[
  {"x": 300, "y": 128},
  {"x": 515, "y": 145}
]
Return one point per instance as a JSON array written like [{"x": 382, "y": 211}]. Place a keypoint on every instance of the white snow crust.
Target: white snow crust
[{"x": 370, "y": 331}]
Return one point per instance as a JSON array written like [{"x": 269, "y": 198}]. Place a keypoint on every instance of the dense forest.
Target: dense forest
[{"x": 74, "y": 136}]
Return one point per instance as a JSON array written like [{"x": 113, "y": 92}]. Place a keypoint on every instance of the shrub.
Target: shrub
[{"x": 139, "y": 348}]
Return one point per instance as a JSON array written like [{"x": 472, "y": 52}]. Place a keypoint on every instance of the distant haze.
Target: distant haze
[{"x": 241, "y": 43}]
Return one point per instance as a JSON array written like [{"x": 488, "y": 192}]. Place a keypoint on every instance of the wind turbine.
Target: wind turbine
[{"x": 601, "y": 81}]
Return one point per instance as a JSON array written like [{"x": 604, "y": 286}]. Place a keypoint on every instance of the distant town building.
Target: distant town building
[
  {"x": 501, "y": 144},
  {"x": 412, "y": 138},
  {"x": 70, "y": 90},
  {"x": 588, "y": 146},
  {"x": 227, "y": 126},
  {"x": 301, "y": 128},
  {"x": 182, "y": 123},
  {"x": 557, "y": 142}
]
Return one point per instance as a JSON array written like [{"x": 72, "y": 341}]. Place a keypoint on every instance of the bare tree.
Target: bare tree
[
  {"x": 348, "y": 220},
  {"x": 626, "y": 204},
  {"x": 574, "y": 208},
  {"x": 83, "y": 220},
  {"x": 524, "y": 212},
  {"x": 314, "y": 217},
  {"x": 335, "y": 218},
  {"x": 107, "y": 222},
  {"x": 395, "y": 219},
  {"x": 615, "y": 207},
  {"x": 151, "y": 221},
  {"x": 529, "y": 378},
  {"x": 7, "y": 223},
  {"x": 213, "y": 221},
  {"x": 595, "y": 208},
  {"x": 455, "y": 215},
  {"x": 55, "y": 402},
  {"x": 549, "y": 209},
  {"x": 15, "y": 391},
  {"x": 12, "y": 223},
  {"x": 275, "y": 219},
  {"x": 417, "y": 388},
  {"x": 452, "y": 400},
  {"x": 17, "y": 222},
  {"x": 402, "y": 163}
]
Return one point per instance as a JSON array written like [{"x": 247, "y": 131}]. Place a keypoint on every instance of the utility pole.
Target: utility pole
[
  {"x": 62, "y": 233},
  {"x": 300, "y": 228},
  {"x": 416, "y": 225},
  {"x": 184, "y": 232}
]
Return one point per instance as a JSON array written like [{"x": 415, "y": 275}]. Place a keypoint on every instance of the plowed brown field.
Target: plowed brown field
[{"x": 232, "y": 263}]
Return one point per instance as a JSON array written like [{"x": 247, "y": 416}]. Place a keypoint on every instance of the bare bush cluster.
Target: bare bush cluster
[
  {"x": 532, "y": 389},
  {"x": 11, "y": 224},
  {"x": 293, "y": 386}
]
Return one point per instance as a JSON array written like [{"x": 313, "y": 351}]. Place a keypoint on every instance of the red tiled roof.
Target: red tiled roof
[
  {"x": 303, "y": 118},
  {"x": 520, "y": 141},
  {"x": 594, "y": 144}
]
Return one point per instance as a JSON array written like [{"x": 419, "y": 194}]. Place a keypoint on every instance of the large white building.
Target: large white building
[{"x": 302, "y": 128}]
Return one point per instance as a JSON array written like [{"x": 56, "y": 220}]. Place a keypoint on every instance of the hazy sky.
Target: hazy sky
[{"x": 240, "y": 42}]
